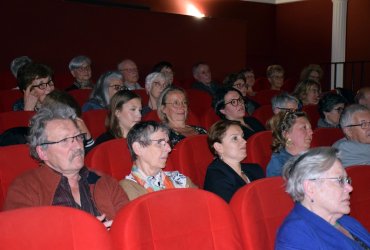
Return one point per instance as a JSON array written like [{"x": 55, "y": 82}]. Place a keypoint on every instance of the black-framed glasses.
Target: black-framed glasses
[
  {"x": 341, "y": 180},
  {"x": 235, "y": 102},
  {"x": 66, "y": 141},
  {"x": 363, "y": 125},
  {"x": 162, "y": 142},
  {"x": 178, "y": 104},
  {"x": 118, "y": 87},
  {"x": 43, "y": 85}
]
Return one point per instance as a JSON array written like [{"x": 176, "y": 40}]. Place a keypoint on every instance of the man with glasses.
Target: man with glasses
[
  {"x": 130, "y": 74},
  {"x": 62, "y": 179},
  {"x": 354, "y": 149},
  {"x": 34, "y": 80},
  {"x": 80, "y": 68}
]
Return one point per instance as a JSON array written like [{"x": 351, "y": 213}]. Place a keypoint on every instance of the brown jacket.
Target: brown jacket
[{"x": 37, "y": 188}]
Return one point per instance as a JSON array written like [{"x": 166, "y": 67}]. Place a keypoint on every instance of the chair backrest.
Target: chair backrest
[
  {"x": 95, "y": 121},
  {"x": 111, "y": 157},
  {"x": 193, "y": 219},
  {"x": 80, "y": 95},
  {"x": 14, "y": 160},
  {"x": 191, "y": 157},
  {"x": 261, "y": 83},
  {"x": 8, "y": 98},
  {"x": 144, "y": 96},
  {"x": 52, "y": 228},
  {"x": 199, "y": 101},
  {"x": 259, "y": 148},
  {"x": 12, "y": 119},
  {"x": 261, "y": 207},
  {"x": 322, "y": 137},
  {"x": 209, "y": 118},
  {"x": 263, "y": 113},
  {"x": 63, "y": 80},
  {"x": 7, "y": 80},
  {"x": 263, "y": 97},
  {"x": 312, "y": 113},
  {"x": 360, "y": 196}
]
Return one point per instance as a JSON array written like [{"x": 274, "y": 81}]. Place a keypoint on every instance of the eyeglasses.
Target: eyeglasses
[
  {"x": 67, "y": 141},
  {"x": 339, "y": 109},
  {"x": 118, "y": 87},
  {"x": 363, "y": 125},
  {"x": 43, "y": 85},
  {"x": 178, "y": 104},
  {"x": 159, "y": 84},
  {"x": 83, "y": 68},
  {"x": 240, "y": 85},
  {"x": 235, "y": 102},
  {"x": 341, "y": 180},
  {"x": 161, "y": 142}
]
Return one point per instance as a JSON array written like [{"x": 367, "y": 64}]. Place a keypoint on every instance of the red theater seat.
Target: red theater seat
[
  {"x": 264, "y": 97},
  {"x": 263, "y": 113},
  {"x": 322, "y": 137},
  {"x": 259, "y": 148},
  {"x": 8, "y": 98},
  {"x": 80, "y": 95},
  {"x": 144, "y": 96},
  {"x": 312, "y": 113},
  {"x": 13, "y": 119},
  {"x": 199, "y": 101},
  {"x": 95, "y": 121}
]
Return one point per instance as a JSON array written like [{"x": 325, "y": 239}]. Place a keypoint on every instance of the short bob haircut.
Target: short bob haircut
[
  {"x": 151, "y": 78},
  {"x": 281, "y": 123},
  {"x": 311, "y": 164},
  {"x": 30, "y": 72},
  {"x": 273, "y": 69},
  {"x": 347, "y": 115},
  {"x": 18, "y": 63},
  {"x": 305, "y": 73},
  {"x": 281, "y": 100},
  {"x": 217, "y": 132},
  {"x": 141, "y": 133},
  {"x": 163, "y": 99},
  {"x": 40, "y": 120},
  {"x": 118, "y": 99},
  {"x": 218, "y": 102},
  {"x": 328, "y": 101},
  {"x": 78, "y": 61},
  {"x": 100, "y": 93},
  {"x": 302, "y": 88}
]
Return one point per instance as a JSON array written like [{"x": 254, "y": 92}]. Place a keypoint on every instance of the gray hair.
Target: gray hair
[
  {"x": 77, "y": 62},
  {"x": 150, "y": 79},
  {"x": 348, "y": 112},
  {"x": 141, "y": 132},
  {"x": 17, "y": 63},
  {"x": 39, "y": 121},
  {"x": 281, "y": 100},
  {"x": 162, "y": 101},
  {"x": 100, "y": 92},
  {"x": 308, "y": 165}
]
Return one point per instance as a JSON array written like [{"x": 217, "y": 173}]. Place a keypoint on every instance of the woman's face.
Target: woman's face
[
  {"x": 333, "y": 116},
  {"x": 168, "y": 73},
  {"x": 158, "y": 85},
  {"x": 232, "y": 146},
  {"x": 129, "y": 114},
  {"x": 331, "y": 198},
  {"x": 234, "y": 106},
  {"x": 241, "y": 86},
  {"x": 314, "y": 75},
  {"x": 82, "y": 73},
  {"x": 114, "y": 86},
  {"x": 176, "y": 107},
  {"x": 300, "y": 135},
  {"x": 249, "y": 77},
  {"x": 41, "y": 87},
  {"x": 312, "y": 96}
]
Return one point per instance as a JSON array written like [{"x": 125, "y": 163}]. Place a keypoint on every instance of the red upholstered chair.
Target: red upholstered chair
[
  {"x": 326, "y": 137},
  {"x": 7, "y": 80},
  {"x": 95, "y": 121},
  {"x": 209, "y": 118},
  {"x": 176, "y": 219},
  {"x": 259, "y": 148},
  {"x": 80, "y": 95},
  {"x": 263, "y": 113},
  {"x": 261, "y": 84},
  {"x": 312, "y": 113},
  {"x": 263, "y": 97},
  {"x": 199, "y": 101},
  {"x": 13, "y": 119},
  {"x": 52, "y": 228},
  {"x": 360, "y": 196},
  {"x": 261, "y": 207},
  {"x": 8, "y": 98},
  {"x": 63, "y": 80},
  {"x": 14, "y": 160},
  {"x": 144, "y": 96},
  {"x": 191, "y": 157}
]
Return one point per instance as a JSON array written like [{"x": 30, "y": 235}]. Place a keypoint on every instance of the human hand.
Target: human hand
[{"x": 30, "y": 99}]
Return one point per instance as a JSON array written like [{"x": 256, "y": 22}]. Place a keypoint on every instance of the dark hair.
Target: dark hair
[
  {"x": 218, "y": 102},
  {"x": 59, "y": 96},
  {"x": 230, "y": 79},
  {"x": 163, "y": 64},
  {"x": 31, "y": 71},
  {"x": 328, "y": 101},
  {"x": 217, "y": 132}
]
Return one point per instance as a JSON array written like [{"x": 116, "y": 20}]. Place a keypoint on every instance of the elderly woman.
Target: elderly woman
[
  {"x": 229, "y": 105},
  {"x": 34, "y": 80},
  {"x": 149, "y": 146},
  {"x": 292, "y": 135},
  {"x": 318, "y": 183},
  {"x": 173, "y": 111},
  {"x": 154, "y": 84},
  {"x": 284, "y": 102},
  {"x": 237, "y": 81},
  {"x": 124, "y": 112},
  {"x": 308, "y": 92},
  {"x": 80, "y": 68},
  {"x": 312, "y": 72},
  {"x": 330, "y": 107},
  {"x": 107, "y": 85},
  {"x": 226, "y": 174}
]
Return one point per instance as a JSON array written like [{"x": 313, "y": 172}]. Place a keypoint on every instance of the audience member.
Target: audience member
[
  {"x": 173, "y": 112},
  {"x": 107, "y": 85},
  {"x": 320, "y": 188},
  {"x": 18, "y": 63},
  {"x": 203, "y": 77},
  {"x": 62, "y": 179},
  {"x": 229, "y": 105},
  {"x": 34, "y": 80},
  {"x": 226, "y": 174},
  {"x": 249, "y": 79},
  {"x": 363, "y": 97},
  {"x": 284, "y": 102},
  {"x": 312, "y": 72},
  {"x": 354, "y": 149},
  {"x": 275, "y": 75},
  {"x": 80, "y": 68},
  {"x": 330, "y": 107},
  {"x": 154, "y": 84},
  {"x": 308, "y": 92},
  {"x": 130, "y": 74},
  {"x": 149, "y": 146},
  {"x": 166, "y": 68},
  {"x": 291, "y": 135}
]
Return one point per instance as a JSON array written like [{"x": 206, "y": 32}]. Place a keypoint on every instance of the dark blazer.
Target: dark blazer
[{"x": 222, "y": 180}]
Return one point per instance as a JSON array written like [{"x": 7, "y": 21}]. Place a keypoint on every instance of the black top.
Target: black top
[
  {"x": 211, "y": 89},
  {"x": 222, "y": 180},
  {"x": 254, "y": 124},
  {"x": 175, "y": 137}
]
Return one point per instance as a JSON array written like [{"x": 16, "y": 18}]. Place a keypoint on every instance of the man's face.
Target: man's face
[
  {"x": 366, "y": 100},
  {"x": 359, "y": 133},
  {"x": 203, "y": 74},
  {"x": 65, "y": 157},
  {"x": 129, "y": 72}
]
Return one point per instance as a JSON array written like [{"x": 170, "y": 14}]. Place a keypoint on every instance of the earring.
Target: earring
[{"x": 288, "y": 142}]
